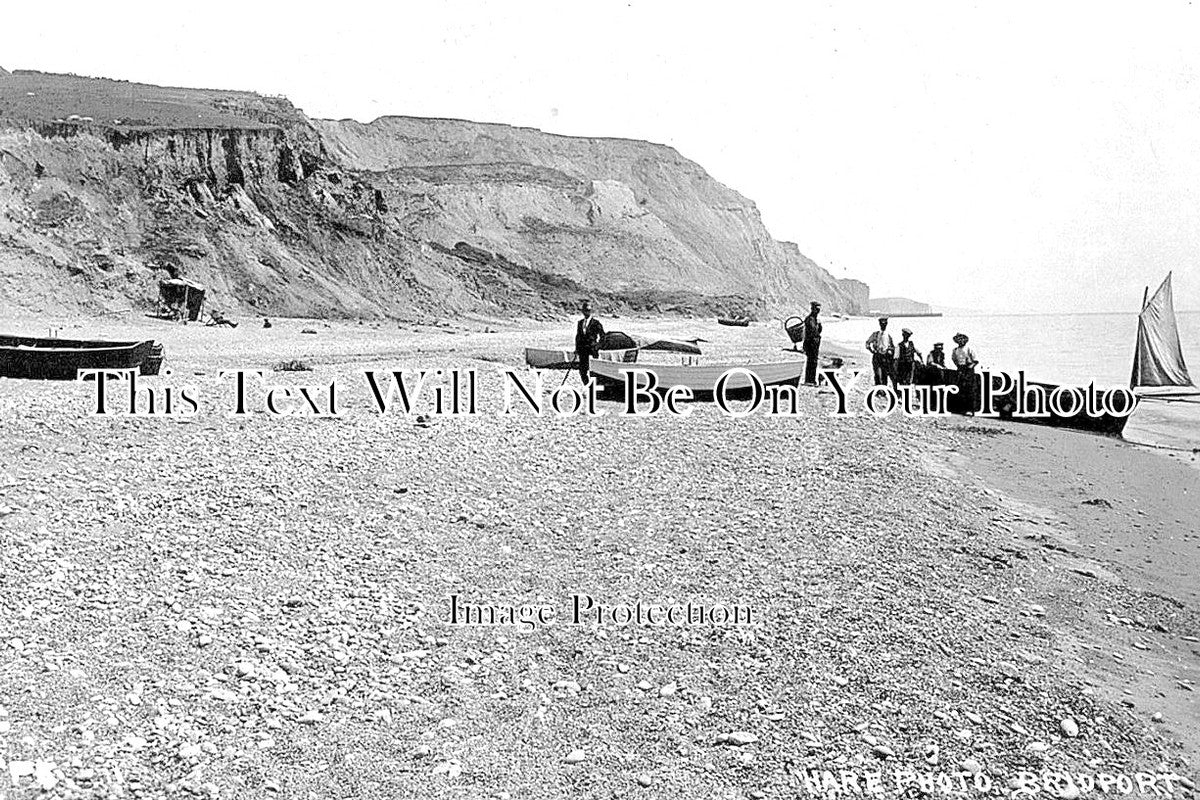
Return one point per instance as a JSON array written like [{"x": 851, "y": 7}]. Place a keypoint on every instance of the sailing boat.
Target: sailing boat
[
  {"x": 1168, "y": 410},
  {"x": 1159, "y": 377},
  {"x": 1158, "y": 367}
]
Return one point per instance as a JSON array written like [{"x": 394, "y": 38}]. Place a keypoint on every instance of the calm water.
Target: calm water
[{"x": 1058, "y": 348}]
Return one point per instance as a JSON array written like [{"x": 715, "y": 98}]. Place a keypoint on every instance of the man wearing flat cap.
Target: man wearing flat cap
[
  {"x": 812, "y": 343},
  {"x": 883, "y": 353},
  {"x": 587, "y": 339},
  {"x": 907, "y": 358}
]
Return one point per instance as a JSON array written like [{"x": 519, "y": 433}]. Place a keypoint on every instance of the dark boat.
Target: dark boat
[
  {"x": 1005, "y": 404},
  {"x": 740, "y": 322},
  {"x": 153, "y": 362},
  {"x": 61, "y": 359},
  {"x": 1104, "y": 424},
  {"x": 1159, "y": 374}
]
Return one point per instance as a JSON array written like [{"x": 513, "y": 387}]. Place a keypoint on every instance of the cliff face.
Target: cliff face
[
  {"x": 107, "y": 187},
  {"x": 898, "y": 306},
  {"x": 609, "y": 212}
]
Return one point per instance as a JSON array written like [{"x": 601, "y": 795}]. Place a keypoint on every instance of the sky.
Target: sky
[{"x": 1010, "y": 157}]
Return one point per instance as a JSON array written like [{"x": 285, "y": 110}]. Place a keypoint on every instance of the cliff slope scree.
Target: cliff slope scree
[{"x": 107, "y": 187}]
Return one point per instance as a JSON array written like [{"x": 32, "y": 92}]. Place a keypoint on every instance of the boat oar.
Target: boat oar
[{"x": 567, "y": 374}]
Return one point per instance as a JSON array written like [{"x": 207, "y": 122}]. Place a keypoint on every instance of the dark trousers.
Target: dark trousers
[
  {"x": 585, "y": 362},
  {"x": 966, "y": 389},
  {"x": 811, "y": 354},
  {"x": 904, "y": 372},
  {"x": 881, "y": 364}
]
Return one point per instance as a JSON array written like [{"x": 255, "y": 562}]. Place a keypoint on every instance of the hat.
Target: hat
[
  {"x": 906, "y": 330},
  {"x": 815, "y": 304},
  {"x": 960, "y": 338},
  {"x": 937, "y": 345},
  {"x": 883, "y": 319}
]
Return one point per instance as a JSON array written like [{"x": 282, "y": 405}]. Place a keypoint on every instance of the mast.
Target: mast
[{"x": 1136, "y": 348}]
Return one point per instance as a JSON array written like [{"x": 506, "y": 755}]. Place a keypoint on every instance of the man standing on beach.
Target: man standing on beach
[
  {"x": 587, "y": 339},
  {"x": 906, "y": 359},
  {"x": 963, "y": 358},
  {"x": 812, "y": 343},
  {"x": 883, "y": 353}
]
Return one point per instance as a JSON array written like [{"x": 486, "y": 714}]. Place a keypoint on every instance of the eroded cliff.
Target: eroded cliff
[{"x": 105, "y": 187}]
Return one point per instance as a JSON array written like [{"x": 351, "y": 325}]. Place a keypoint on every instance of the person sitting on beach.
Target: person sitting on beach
[
  {"x": 964, "y": 361},
  {"x": 937, "y": 356},
  {"x": 883, "y": 352},
  {"x": 217, "y": 318},
  {"x": 907, "y": 358},
  {"x": 587, "y": 339}
]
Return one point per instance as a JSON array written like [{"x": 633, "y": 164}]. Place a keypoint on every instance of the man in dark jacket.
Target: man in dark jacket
[
  {"x": 587, "y": 339},
  {"x": 907, "y": 359},
  {"x": 812, "y": 343}
]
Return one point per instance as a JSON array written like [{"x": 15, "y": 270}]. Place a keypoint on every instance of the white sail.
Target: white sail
[{"x": 1158, "y": 357}]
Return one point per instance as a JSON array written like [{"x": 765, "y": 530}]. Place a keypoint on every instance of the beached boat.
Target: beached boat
[
  {"x": 702, "y": 379},
  {"x": 1005, "y": 403},
  {"x": 61, "y": 359},
  {"x": 542, "y": 358},
  {"x": 1168, "y": 412},
  {"x": 619, "y": 340},
  {"x": 691, "y": 347},
  {"x": 740, "y": 322},
  {"x": 1105, "y": 424},
  {"x": 1159, "y": 376}
]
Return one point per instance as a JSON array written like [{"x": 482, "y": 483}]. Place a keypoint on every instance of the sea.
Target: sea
[{"x": 1074, "y": 349}]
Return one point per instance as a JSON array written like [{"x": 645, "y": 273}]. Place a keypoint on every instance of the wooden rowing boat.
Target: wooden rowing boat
[
  {"x": 1104, "y": 424},
  {"x": 61, "y": 359},
  {"x": 541, "y": 358},
  {"x": 1005, "y": 404},
  {"x": 1159, "y": 377},
  {"x": 702, "y": 379}
]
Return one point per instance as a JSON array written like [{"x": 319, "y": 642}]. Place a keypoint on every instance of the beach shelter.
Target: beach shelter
[{"x": 184, "y": 295}]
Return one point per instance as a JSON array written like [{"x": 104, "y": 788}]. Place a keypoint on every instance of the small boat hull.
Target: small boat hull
[
  {"x": 702, "y": 380},
  {"x": 61, "y": 359},
  {"x": 1104, "y": 424},
  {"x": 739, "y": 322},
  {"x": 1005, "y": 405},
  {"x": 541, "y": 358}
]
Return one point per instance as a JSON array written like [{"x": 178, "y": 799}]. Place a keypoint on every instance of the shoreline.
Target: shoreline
[{"x": 948, "y": 566}]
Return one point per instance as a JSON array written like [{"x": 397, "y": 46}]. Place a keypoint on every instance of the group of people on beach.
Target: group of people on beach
[
  {"x": 900, "y": 364},
  {"x": 891, "y": 363}
]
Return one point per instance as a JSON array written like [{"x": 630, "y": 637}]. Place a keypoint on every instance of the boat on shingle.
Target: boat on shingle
[
  {"x": 702, "y": 379},
  {"x": 61, "y": 359}
]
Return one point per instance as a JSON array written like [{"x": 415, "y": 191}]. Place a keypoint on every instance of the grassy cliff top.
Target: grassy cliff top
[{"x": 41, "y": 96}]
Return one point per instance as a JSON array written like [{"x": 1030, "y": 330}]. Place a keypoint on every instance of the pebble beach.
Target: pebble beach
[{"x": 220, "y": 605}]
